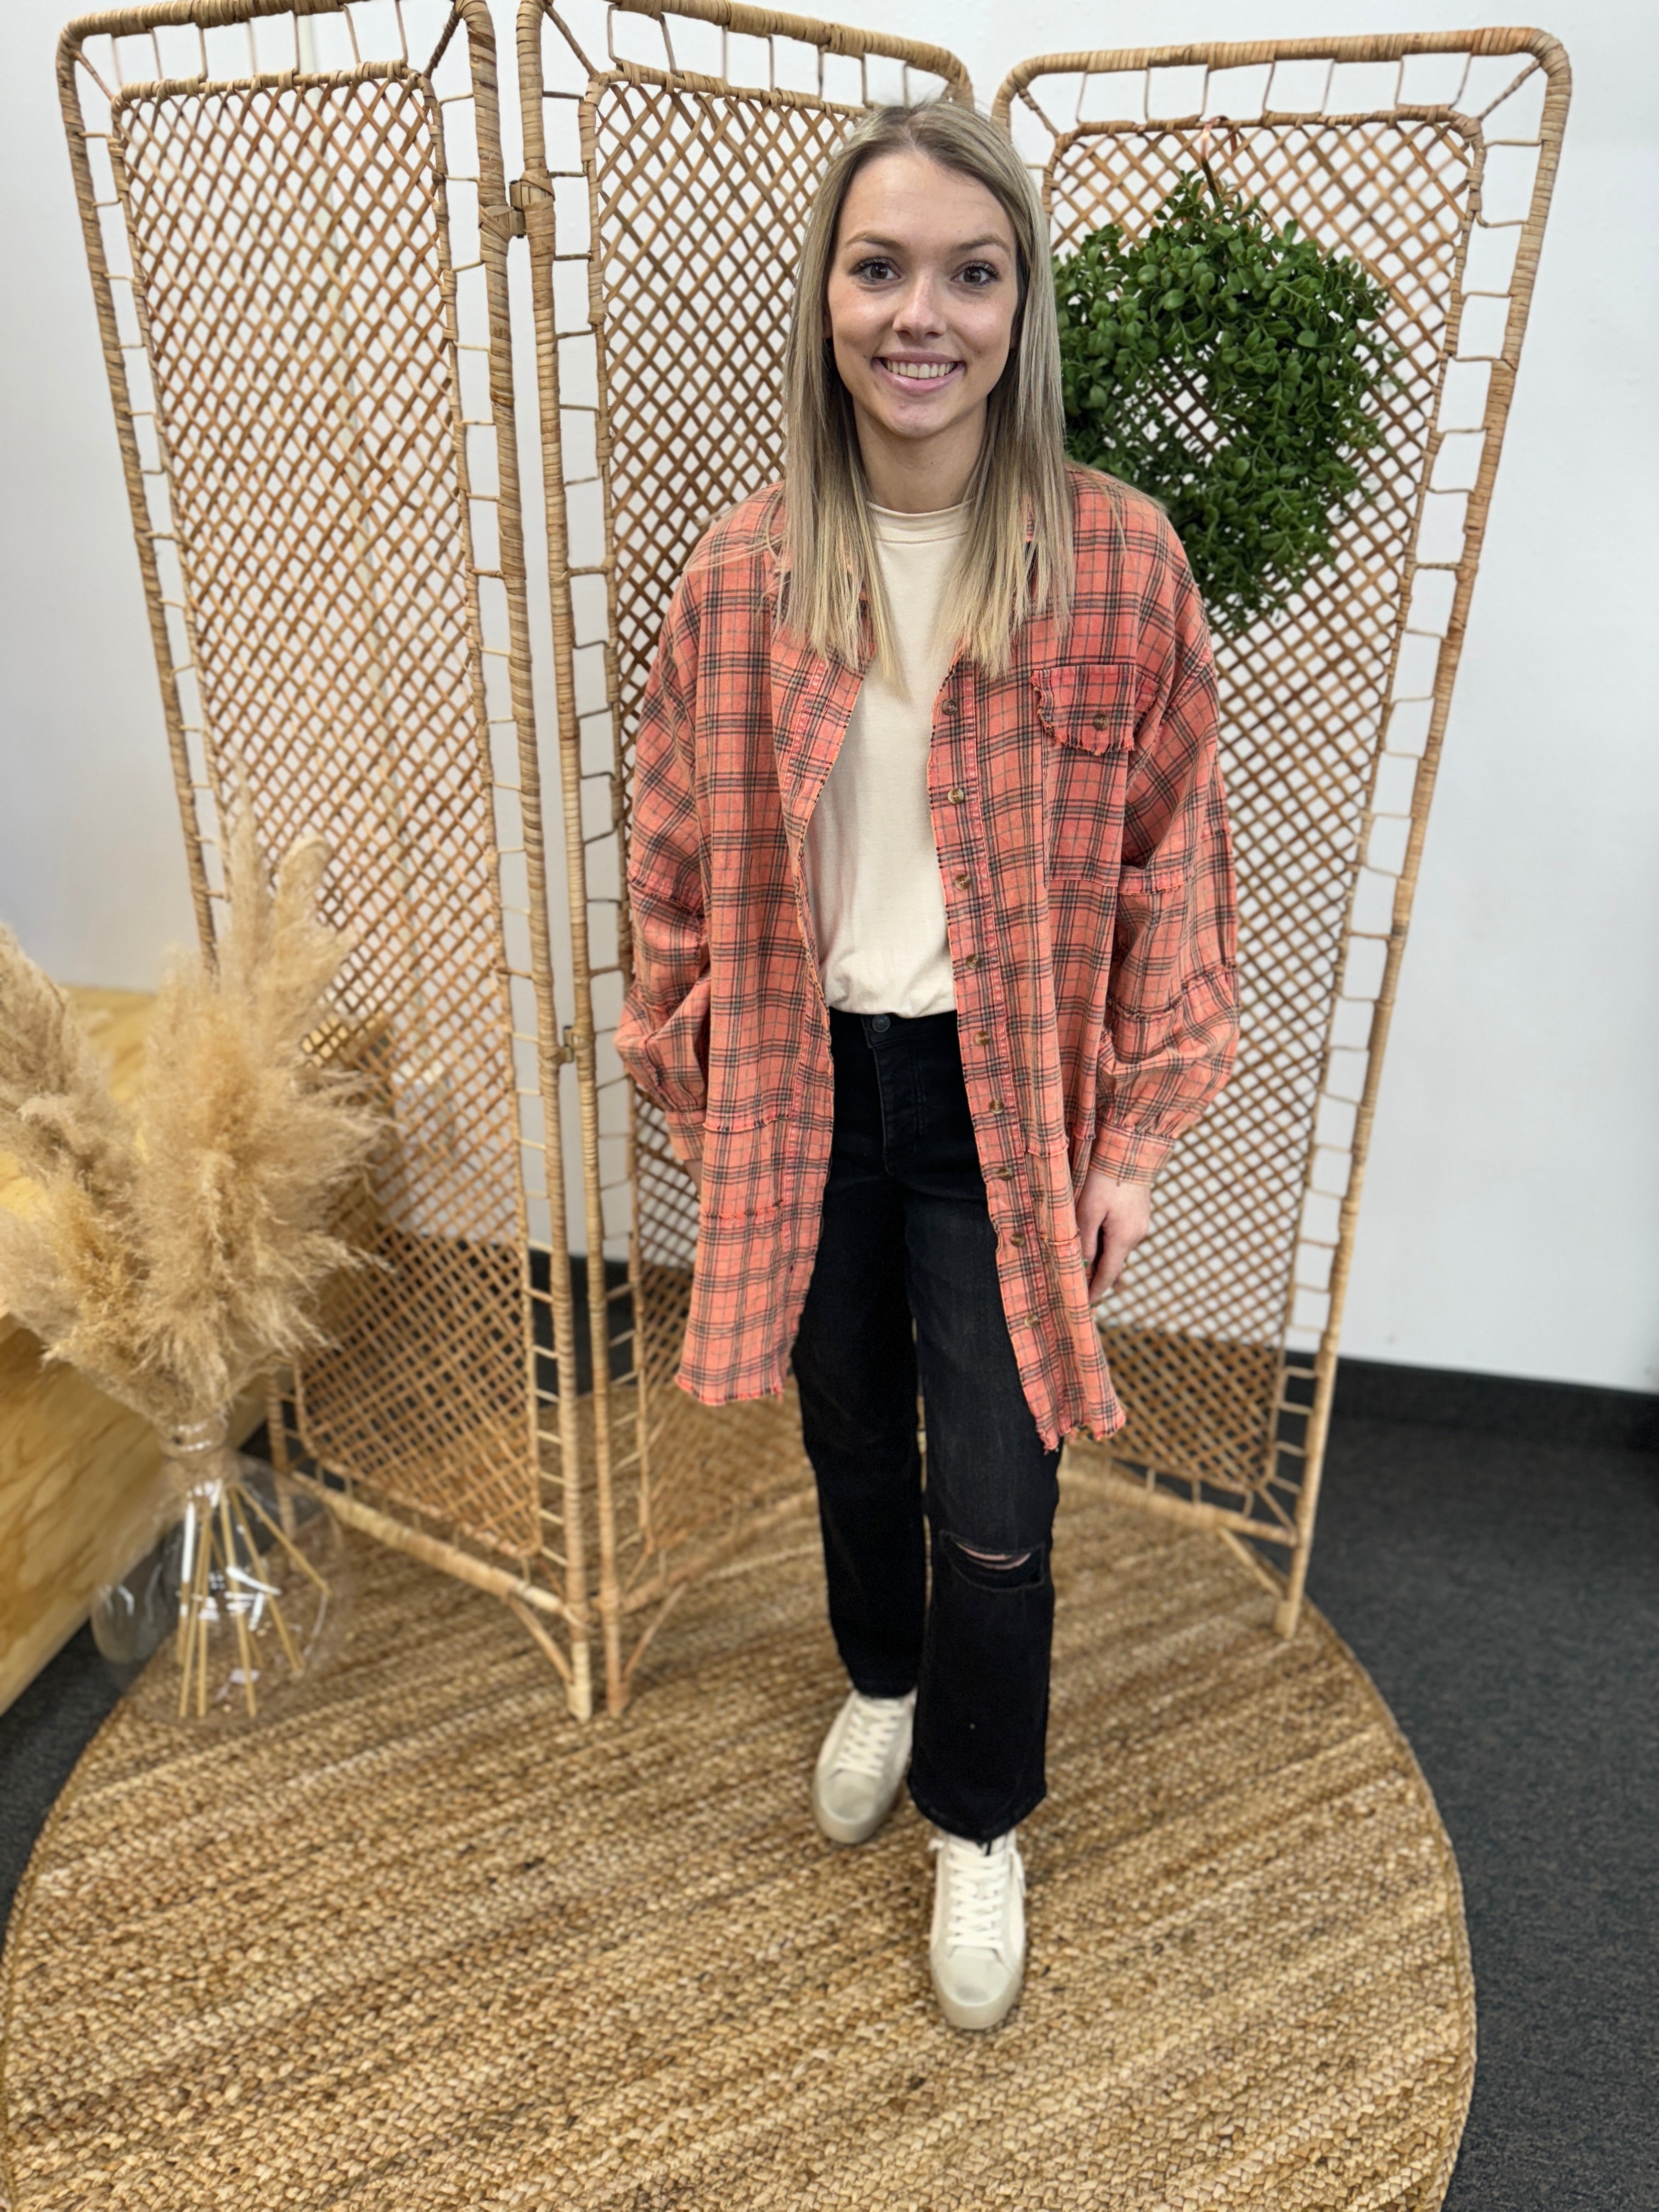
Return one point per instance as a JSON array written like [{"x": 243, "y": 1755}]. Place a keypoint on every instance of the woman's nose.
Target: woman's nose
[{"x": 919, "y": 313}]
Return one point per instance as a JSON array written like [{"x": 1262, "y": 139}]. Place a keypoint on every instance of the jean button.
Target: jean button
[{"x": 880, "y": 1024}]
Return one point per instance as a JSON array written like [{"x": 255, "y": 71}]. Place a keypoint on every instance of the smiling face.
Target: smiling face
[{"x": 920, "y": 309}]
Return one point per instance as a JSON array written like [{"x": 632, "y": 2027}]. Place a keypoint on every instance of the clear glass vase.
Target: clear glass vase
[{"x": 239, "y": 1598}]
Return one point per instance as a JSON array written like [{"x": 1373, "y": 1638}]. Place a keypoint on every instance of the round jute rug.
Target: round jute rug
[{"x": 431, "y": 1943}]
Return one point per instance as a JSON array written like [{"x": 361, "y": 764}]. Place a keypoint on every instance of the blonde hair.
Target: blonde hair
[{"x": 1018, "y": 491}]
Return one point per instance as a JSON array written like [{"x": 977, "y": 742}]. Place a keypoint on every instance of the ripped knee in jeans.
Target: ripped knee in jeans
[{"x": 995, "y": 1570}]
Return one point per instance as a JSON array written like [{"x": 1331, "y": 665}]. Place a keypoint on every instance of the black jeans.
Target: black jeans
[{"x": 905, "y": 1289}]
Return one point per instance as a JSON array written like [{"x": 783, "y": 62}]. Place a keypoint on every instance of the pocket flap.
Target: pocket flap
[{"x": 1090, "y": 703}]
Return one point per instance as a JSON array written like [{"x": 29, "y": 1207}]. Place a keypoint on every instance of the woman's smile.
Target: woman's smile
[{"x": 909, "y": 371}]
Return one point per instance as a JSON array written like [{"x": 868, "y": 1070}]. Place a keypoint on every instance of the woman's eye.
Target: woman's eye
[
  {"x": 979, "y": 274},
  {"x": 876, "y": 270}
]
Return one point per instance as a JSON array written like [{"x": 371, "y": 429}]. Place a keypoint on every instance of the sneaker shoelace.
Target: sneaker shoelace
[
  {"x": 976, "y": 1882},
  {"x": 869, "y": 1735}
]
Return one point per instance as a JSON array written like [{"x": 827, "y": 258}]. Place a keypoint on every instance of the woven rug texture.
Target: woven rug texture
[{"x": 430, "y": 1942}]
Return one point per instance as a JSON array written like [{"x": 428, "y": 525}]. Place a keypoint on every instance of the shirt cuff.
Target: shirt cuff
[
  {"x": 1129, "y": 1155},
  {"x": 685, "y": 1135}
]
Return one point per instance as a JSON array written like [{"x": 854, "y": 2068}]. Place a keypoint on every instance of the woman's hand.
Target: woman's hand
[{"x": 1112, "y": 1218}]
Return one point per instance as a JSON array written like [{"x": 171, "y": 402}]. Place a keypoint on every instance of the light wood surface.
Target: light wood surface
[{"x": 77, "y": 1472}]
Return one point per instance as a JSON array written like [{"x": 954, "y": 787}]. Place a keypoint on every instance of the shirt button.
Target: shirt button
[
  {"x": 982, "y": 1037},
  {"x": 1016, "y": 1236},
  {"x": 963, "y": 882},
  {"x": 997, "y": 1106},
  {"x": 947, "y": 706},
  {"x": 1100, "y": 721},
  {"x": 956, "y": 794},
  {"x": 972, "y": 961}
]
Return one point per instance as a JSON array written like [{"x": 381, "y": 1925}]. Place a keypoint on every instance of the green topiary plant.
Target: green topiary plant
[{"x": 1229, "y": 370}]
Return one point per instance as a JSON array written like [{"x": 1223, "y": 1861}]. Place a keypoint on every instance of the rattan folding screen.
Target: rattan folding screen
[
  {"x": 669, "y": 162},
  {"x": 1430, "y": 159},
  {"x": 298, "y": 225}
]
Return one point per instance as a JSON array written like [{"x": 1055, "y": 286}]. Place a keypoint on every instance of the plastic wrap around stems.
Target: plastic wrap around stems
[{"x": 239, "y": 1597}]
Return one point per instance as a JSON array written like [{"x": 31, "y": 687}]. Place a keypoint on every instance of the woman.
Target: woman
[{"x": 932, "y": 909}]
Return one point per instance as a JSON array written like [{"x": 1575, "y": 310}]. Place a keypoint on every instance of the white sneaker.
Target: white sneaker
[
  {"x": 977, "y": 1947},
  {"x": 862, "y": 1765}
]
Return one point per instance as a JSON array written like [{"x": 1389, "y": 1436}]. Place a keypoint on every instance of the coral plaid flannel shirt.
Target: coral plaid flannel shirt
[{"x": 1083, "y": 844}]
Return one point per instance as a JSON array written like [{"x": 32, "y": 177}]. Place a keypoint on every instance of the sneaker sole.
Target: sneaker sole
[{"x": 975, "y": 2018}]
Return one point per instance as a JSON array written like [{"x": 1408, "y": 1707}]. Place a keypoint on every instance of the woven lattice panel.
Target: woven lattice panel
[
  {"x": 657, "y": 242},
  {"x": 676, "y": 158},
  {"x": 755, "y": 164},
  {"x": 290, "y": 224},
  {"x": 1196, "y": 1334},
  {"x": 1403, "y": 156}
]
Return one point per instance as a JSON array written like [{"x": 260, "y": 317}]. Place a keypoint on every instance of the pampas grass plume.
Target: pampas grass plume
[{"x": 177, "y": 1253}]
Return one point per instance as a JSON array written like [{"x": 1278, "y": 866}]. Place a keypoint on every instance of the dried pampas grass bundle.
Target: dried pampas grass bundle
[{"x": 175, "y": 1254}]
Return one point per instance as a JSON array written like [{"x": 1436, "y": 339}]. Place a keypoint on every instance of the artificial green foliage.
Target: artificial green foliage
[{"x": 1229, "y": 369}]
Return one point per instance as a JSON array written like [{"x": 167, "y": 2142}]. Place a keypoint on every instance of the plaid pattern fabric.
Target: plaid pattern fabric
[{"x": 1083, "y": 845}]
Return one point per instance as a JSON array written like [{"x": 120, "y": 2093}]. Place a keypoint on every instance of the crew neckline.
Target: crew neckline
[{"x": 894, "y": 527}]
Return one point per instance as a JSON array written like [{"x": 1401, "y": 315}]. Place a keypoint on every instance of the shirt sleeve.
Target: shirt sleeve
[
  {"x": 663, "y": 1034},
  {"x": 1172, "y": 1006}
]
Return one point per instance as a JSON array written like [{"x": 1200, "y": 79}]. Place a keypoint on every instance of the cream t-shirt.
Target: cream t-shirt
[{"x": 872, "y": 879}]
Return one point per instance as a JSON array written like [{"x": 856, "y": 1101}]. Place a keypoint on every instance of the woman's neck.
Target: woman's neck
[{"x": 919, "y": 475}]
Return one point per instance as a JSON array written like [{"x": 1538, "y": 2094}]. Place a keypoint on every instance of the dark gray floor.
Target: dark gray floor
[
  {"x": 1504, "y": 1596},
  {"x": 41, "y": 1737}
]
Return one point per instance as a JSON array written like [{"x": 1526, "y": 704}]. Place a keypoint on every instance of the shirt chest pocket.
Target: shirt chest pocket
[{"x": 1087, "y": 713}]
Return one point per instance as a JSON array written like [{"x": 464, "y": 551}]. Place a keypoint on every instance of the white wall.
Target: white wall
[
  {"x": 92, "y": 873},
  {"x": 1511, "y": 1211}
]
